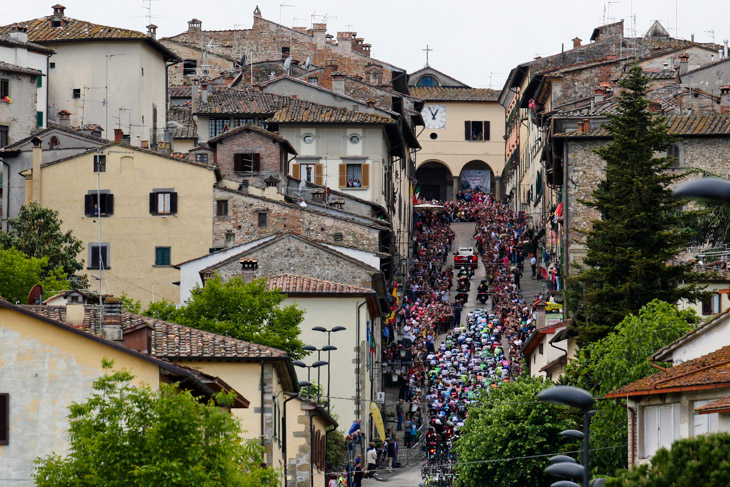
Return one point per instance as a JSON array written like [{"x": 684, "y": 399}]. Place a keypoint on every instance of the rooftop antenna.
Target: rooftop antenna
[
  {"x": 349, "y": 27},
  {"x": 711, "y": 32},
  {"x": 311, "y": 19},
  {"x": 608, "y": 11},
  {"x": 676, "y": 19},
  {"x": 282, "y": 6},
  {"x": 427, "y": 50}
]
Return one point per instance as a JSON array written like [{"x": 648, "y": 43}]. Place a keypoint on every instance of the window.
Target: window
[
  {"x": 56, "y": 23},
  {"x": 237, "y": 122},
  {"x": 314, "y": 81},
  {"x": 4, "y": 88},
  {"x": 337, "y": 237},
  {"x": 221, "y": 208},
  {"x": 476, "y": 130},
  {"x": 97, "y": 252},
  {"x": 163, "y": 202},
  {"x": 76, "y": 93},
  {"x": 427, "y": 80},
  {"x": 39, "y": 81},
  {"x": 246, "y": 163},
  {"x": 354, "y": 139},
  {"x": 53, "y": 66},
  {"x": 201, "y": 158},
  {"x": 190, "y": 67},
  {"x": 262, "y": 218},
  {"x": 285, "y": 52},
  {"x": 704, "y": 423},
  {"x": 218, "y": 126},
  {"x": 661, "y": 427},
  {"x": 3, "y": 135},
  {"x": 308, "y": 172},
  {"x": 4, "y": 418},
  {"x": 354, "y": 175},
  {"x": 676, "y": 151},
  {"x": 711, "y": 305},
  {"x": 39, "y": 119},
  {"x": 540, "y": 349},
  {"x": 99, "y": 204},
  {"x": 308, "y": 139},
  {"x": 99, "y": 163},
  {"x": 162, "y": 256}
]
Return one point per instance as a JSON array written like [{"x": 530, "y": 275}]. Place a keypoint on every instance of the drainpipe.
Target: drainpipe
[
  {"x": 286, "y": 460},
  {"x": 261, "y": 385},
  {"x": 6, "y": 197},
  {"x": 651, "y": 362},
  {"x": 359, "y": 361}
]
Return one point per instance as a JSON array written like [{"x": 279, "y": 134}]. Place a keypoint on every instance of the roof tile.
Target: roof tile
[
  {"x": 454, "y": 94},
  {"x": 294, "y": 284}
]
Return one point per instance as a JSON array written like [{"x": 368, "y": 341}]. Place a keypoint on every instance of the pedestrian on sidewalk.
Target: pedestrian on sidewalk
[
  {"x": 371, "y": 456},
  {"x": 358, "y": 473},
  {"x": 399, "y": 413},
  {"x": 533, "y": 264},
  {"x": 391, "y": 453}
]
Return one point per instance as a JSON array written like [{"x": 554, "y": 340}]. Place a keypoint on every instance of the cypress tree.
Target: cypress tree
[{"x": 632, "y": 247}]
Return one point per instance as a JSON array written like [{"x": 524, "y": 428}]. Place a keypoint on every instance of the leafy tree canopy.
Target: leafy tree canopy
[
  {"x": 616, "y": 360},
  {"x": 134, "y": 436},
  {"x": 239, "y": 309},
  {"x": 641, "y": 230},
  {"x": 37, "y": 233},
  {"x": 20, "y": 273},
  {"x": 692, "y": 462},
  {"x": 503, "y": 430}
]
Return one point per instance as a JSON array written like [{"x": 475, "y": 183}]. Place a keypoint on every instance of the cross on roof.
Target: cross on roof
[
  {"x": 349, "y": 26},
  {"x": 427, "y": 50}
]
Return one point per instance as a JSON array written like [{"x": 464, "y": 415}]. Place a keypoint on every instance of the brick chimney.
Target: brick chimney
[
  {"x": 598, "y": 95},
  {"x": 576, "y": 42},
  {"x": 64, "y": 118},
  {"x": 118, "y": 135},
  {"x": 725, "y": 99},
  {"x": 152, "y": 31},
  {"x": 195, "y": 25},
  {"x": 58, "y": 9},
  {"x": 683, "y": 63},
  {"x": 249, "y": 266},
  {"x": 371, "y": 103},
  {"x": 584, "y": 125},
  {"x": 111, "y": 325}
]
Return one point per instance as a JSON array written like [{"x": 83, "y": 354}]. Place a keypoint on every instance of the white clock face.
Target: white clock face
[{"x": 434, "y": 116}]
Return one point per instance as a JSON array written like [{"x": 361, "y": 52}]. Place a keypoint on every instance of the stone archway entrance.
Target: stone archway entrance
[
  {"x": 435, "y": 180},
  {"x": 476, "y": 175}
]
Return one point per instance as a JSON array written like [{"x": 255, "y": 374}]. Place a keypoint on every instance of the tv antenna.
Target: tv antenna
[
  {"x": 282, "y": 6},
  {"x": 711, "y": 33}
]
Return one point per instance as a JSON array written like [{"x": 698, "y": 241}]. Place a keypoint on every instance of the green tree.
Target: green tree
[
  {"x": 36, "y": 232},
  {"x": 640, "y": 230},
  {"x": 20, "y": 273},
  {"x": 239, "y": 309},
  {"x": 506, "y": 435},
  {"x": 134, "y": 436},
  {"x": 336, "y": 450},
  {"x": 616, "y": 360},
  {"x": 700, "y": 461}
]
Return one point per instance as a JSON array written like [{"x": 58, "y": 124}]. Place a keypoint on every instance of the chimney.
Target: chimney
[
  {"x": 683, "y": 63},
  {"x": 576, "y": 42},
  {"x": 598, "y": 95},
  {"x": 249, "y": 266},
  {"x": 58, "y": 9},
  {"x": 371, "y": 103},
  {"x": 725, "y": 49},
  {"x": 257, "y": 12},
  {"x": 118, "y": 135},
  {"x": 338, "y": 83},
  {"x": 19, "y": 33},
  {"x": 230, "y": 239},
  {"x": 111, "y": 325},
  {"x": 152, "y": 31},
  {"x": 64, "y": 118},
  {"x": 665, "y": 67},
  {"x": 585, "y": 125},
  {"x": 204, "y": 91},
  {"x": 37, "y": 161},
  {"x": 194, "y": 25},
  {"x": 725, "y": 99}
]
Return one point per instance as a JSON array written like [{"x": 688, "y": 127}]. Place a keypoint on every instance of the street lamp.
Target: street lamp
[
  {"x": 583, "y": 400},
  {"x": 328, "y": 348},
  {"x": 709, "y": 189},
  {"x": 315, "y": 365}
]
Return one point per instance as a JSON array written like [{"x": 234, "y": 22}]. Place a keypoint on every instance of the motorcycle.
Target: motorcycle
[{"x": 464, "y": 285}]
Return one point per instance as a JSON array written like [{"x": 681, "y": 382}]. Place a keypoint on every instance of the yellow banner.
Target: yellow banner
[{"x": 377, "y": 420}]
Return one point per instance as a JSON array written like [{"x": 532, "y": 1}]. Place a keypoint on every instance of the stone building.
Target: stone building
[{"x": 19, "y": 110}]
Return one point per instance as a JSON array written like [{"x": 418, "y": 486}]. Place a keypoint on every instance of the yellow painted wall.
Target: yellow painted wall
[
  {"x": 132, "y": 232},
  {"x": 45, "y": 368},
  {"x": 450, "y": 146}
]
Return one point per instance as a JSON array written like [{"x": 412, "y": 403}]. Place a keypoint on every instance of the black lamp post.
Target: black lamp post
[
  {"x": 315, "y": 365},
  {"x": 581, "y": 399},
  {"x": 328, "y": 348}
]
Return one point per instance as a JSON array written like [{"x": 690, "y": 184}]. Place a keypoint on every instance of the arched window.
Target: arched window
[
  {"x": 426, "y": 81},
  {"x": 676, "y": 150}
]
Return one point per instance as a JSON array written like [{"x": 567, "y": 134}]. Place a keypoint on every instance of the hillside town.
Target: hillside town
[{"x": 375, "y": 275}]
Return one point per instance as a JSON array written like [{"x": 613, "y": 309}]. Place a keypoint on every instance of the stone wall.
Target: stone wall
[
  {"x": 249, "y": 141},
  {"x": 290, "y": 255},
  {"x": 245, "y": 223}
]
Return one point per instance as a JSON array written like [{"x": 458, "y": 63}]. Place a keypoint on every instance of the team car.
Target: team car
[{"x": 465, "y": 256}]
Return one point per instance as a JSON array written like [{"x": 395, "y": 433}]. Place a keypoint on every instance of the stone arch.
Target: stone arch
[
  {"x": 476, "y": 173},
  {"x": 435, "y": 179}
]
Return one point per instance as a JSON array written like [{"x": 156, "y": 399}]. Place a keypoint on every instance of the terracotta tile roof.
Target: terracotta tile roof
[
  {"x": 707, "y": 372},
  {"x": 180, "y": 91},
  {"x": 294, "y": 284},
  {"x": 253, "y": 128},
  {"x": 711, "y": 124},
  {"x": 720, "y": 405},
  {"x": 19, "y": 69},
  {"x": 454, "y": 94},
  {"x": 170, "y": 340},
  {"x": 182, "y": 119},
  {"x": 295, "y": 110},
  {"x": 5, "y": 39},
  {"x": 247, "y": 100}
]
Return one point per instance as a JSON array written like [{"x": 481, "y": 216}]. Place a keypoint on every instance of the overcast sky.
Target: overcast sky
[{"x": 475, "y": 41}]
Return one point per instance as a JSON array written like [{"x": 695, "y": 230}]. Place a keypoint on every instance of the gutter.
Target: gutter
[{"x": 359, "y": 360}]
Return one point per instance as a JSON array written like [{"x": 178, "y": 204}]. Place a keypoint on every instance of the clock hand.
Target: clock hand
[{"x": 433, "y": 115}]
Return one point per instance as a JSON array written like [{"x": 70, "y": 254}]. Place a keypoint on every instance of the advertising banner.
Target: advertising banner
[{"x": 478, "y": 179}]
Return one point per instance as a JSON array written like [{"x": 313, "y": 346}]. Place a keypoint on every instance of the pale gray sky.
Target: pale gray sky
[{"x": 475, "y": 41}]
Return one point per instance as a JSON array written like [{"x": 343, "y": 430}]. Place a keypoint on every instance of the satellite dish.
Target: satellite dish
[
  {"x": 302, "y": 185},
  {"x": 287, "y": 64},
  {"x": 35, "y": 296},
  {"x": 243, "y": 60},
  {"x": 308, "y": 62}
]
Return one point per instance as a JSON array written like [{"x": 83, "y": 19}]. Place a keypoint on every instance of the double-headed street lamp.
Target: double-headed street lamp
[
  {"x": 315, "y": 365},
  {"x": 328, "y": 348}
]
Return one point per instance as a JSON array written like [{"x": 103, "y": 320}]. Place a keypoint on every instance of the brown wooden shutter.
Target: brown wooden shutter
[
  {"x": 173, "y": 202},
  {"x": 4, "y": 418},
  {"x": 343, "y": 175},
  {"x": 486, "y": 130},
  {"x": 88, "y": 204},
  {"x": 365, "y": 182},
  {"x": 110, "y": 204},
  {"x": 237, "y": 162},
  {"x": 256, "y": 162},
  {"x": 467, "y": 130},
  {"x": 319, "y": 174},
  {"x": 296, "y": 171},
  {"x": 153, "y": 203}
]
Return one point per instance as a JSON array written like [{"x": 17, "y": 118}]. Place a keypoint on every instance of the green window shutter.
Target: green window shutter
[
  {"x": 39, "y": 81},
  {"x": 162, "y": 255},
  {"x": 39, "y": 119}
]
